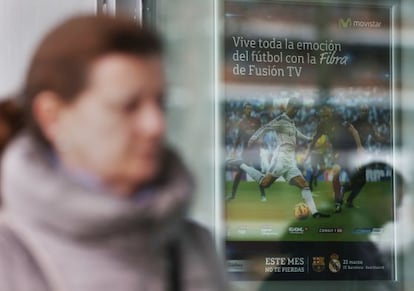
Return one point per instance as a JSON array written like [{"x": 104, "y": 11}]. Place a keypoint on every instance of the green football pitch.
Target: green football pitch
[{"x": 249, "y": 219}]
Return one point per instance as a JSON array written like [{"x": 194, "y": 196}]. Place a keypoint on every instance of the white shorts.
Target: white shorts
[{"x": 284, "y": 164}]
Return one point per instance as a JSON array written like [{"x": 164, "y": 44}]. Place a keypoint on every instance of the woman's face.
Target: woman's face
[{"x": 115, "y": 128}]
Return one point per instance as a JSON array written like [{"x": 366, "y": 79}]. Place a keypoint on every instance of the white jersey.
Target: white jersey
[
  {"x": 283, "y": 163},
  {"x": 285, "y": 129}
]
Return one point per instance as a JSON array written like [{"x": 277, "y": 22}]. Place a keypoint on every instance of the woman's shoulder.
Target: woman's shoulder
[
  {"x": 18, "y": 270},
  {"x": 204, "y": 267},
  {"x": 198, "y": 236}
]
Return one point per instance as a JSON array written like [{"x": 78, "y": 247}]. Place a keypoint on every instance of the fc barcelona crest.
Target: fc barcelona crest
[{"x": 318, "y": 264}]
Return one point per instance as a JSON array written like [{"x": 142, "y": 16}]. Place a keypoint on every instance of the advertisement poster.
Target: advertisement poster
[{"x": 307, "y": 128}]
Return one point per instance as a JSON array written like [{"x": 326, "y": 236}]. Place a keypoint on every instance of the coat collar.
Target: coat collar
[{"x": 39, "y": 193}]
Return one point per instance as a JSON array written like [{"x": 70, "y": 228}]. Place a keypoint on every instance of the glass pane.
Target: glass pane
[
  {"x": 309, "y": 117},
  {"x": 354, "y": 59},
  {"x": 188, "y": 31}
]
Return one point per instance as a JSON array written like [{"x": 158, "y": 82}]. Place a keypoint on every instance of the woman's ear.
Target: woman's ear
[{"x": 46, "y": 111}]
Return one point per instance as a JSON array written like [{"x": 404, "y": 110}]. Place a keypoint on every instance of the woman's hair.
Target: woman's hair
[
  {"x": 61, "y": 62},
  {"x": 11, "y": 121}
]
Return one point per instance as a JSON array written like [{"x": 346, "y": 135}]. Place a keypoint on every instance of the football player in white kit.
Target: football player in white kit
[{"x": 283, "y": 163}]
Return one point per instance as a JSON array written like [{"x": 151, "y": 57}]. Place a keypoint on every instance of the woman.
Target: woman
[{"x": 93, "y": 199}]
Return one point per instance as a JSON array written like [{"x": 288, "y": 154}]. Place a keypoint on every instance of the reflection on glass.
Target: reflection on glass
[{"x": 310, "y": 182}]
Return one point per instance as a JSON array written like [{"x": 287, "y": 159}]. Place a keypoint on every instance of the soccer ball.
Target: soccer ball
[{"x": 301, "y": 211}]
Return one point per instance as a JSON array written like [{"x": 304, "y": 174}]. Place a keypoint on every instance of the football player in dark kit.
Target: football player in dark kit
[
  {"x": 345, "y": 141},
  {"x": 366, "y": 130},
  {"x": 246, "y": 127},
  {"x": 358, "y": 179}
]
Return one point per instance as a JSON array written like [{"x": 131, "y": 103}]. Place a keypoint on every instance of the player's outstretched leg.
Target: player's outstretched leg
[
  {"x": 234, "y": 163},
  {"x": 308, "y": 197},
  {"x": 254, "y": 173},
  {"x": 300, "y": 182}
]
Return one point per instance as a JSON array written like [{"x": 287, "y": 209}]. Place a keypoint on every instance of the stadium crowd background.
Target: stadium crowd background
[{"x": 346, "y": 103}]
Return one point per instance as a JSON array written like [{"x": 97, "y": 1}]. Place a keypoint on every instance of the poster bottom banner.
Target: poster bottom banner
[{"x": 273, "y": 261}]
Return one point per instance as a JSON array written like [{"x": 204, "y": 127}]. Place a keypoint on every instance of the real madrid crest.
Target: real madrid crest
[{"x": 334, "y": 263}]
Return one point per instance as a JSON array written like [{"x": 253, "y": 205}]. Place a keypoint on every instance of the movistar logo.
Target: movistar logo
[{"x": 345, "y": 22}]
